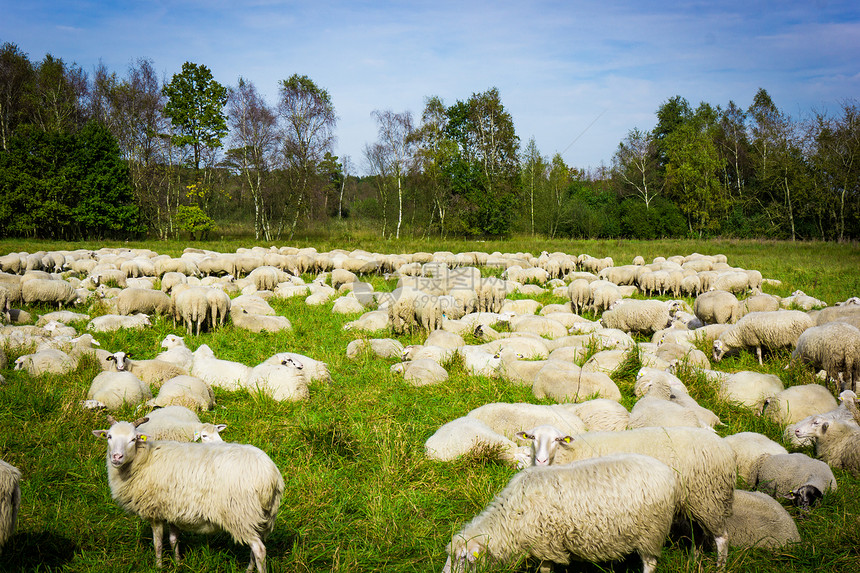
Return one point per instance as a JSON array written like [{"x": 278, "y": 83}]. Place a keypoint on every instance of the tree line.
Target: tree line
[{"x": 100, "y": 155}]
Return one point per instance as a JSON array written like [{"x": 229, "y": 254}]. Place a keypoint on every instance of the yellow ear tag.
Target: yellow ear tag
[
  {"x": 567, "y": 439},
  {"x": 142, "y": 438}
]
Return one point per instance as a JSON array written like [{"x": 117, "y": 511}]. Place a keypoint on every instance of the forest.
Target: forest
[{"x": 103, "y": 154}]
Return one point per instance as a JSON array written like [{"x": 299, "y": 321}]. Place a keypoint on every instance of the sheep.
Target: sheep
[
  {"x": 176, "y": 352},
  {"x": 179, "y": 430},
  {"x": 802, "y": 479},
  {"x": 204, "y": 488},
  {"x": 759, "y": 303},
  {"x": 703, "y": 461},
  {"x": 509, "y": 419},
  {"x": 48, "y": 361},
  {"x": 759, "y": 521},
  {"x": 640, "y": 316},
  {"x": 801, "y": 301},
  {"x": 224, "y": 374},
  {"x": 64, "y": 316},
  {"x": 313, "y": 370},
  {"x": 771, "y": 330},
  {"x": 479, "y": 362},
  {"x": 593, "y": 510},
  {"x": 840, "y": 413},
  {"x": 381, "y": 347},
  {"x": 422, "y": 372},
  {"x": 155, "y": 372},
  {"x": 579, "y": 294},
  {"x": 749, "y": 388},
  {"x": 369, "y": 322},
  {"x": 191, "y": 306},
  {"x": 491, "y": 294},
  {"x": 219, "y": 307},
  {"x": 48, "y": 291},
  {"x": 259, "y": 322},
  {"x": 428, "y": 312},
  {"x": 798, "y": 402},
  {"x": 282, "y": 381},
  {"x": 114, "y": 322},
  {"x": 184, "y": 390},
  {"x": 567, "y": 382},
  {"x": 600, "y": 414},
  {"x": 469, "y": 435},
  {"x": 113, "y": 389},
  {"x": 836, "y": 442},
  {"x": 603, "y": 295},
  {"x": 10, "y": 500},
  {"x": 834, "y": 347},
  {"x": 749, "y": 447},
  {"x": 717, "y": 306},
  {"x": 650, "y": 411}
]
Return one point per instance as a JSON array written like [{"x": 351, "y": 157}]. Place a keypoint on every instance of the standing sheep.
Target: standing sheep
[
  {"x": 717, "y": 307},
  {"x": 758, "y": 330},
  {"x": 798, "y": 402},
  {"x": 10, "y": 500},
  {"x": 593, "y": 510},
  {"x": 203, "y": 488},
  {"x": 48, "y": 291},
  {"x": 834, "y": 347},
  {"x": 135, "y": 300},
  {"x": 640, "y": 316}
]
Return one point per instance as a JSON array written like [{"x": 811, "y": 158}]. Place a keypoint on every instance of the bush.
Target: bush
[{"x": 193, "y": 220}]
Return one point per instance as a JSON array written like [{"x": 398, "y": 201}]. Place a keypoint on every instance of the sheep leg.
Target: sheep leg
[
  {"x": 258, "y": 556},
  {"x": 158, "y": 541},
  {"x": 649, "y": 564},
  {"x": 174, "y": 542},
  {"x": 758, "y": 353},
  {"x": 722, "y": 542}
]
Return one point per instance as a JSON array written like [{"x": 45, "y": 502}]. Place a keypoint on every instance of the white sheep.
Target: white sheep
[
  {"x": 749, "y": 388},
  {"x": 717, "y": 306},
  {"x": 702, "y": 460},
  {"x": 370, "y": 321},
  {"x": 155, "y": 372},
  {"x": 48, "y": 291},
  {"x": 113, "y": 389},
  {"x": 219, "y": 307},
  {"x": 798, "y": 402},
  {"x": 184, "y": 390},
  {"x": 173, "y": 423},
  {"x": 113, "y": 322},
  {"x": 600, "y": 414},
  {"x": 282, "y": 382},
  {"x": 313, "y": 370},
  {"x": 225, "y": 374},
  {"x": 798, "y": 477},
  {"x": 466, "y": 435},
  {"x": 760, "y": 521},
  {"x": 749, "y": 447},
  {"x": 204, "y": 488},
  {"x": 479, "y": 362},
  {"x": 758, "y": 330},
  {"x": 836, "y": 442},
  {"x": 259, "y": 322},
  {"x": 176, "y": 352},
  {"x": 47, "y": 361},
  {"x": 191, "y": 307},
  {"x": 138, "y": 300},
  {"x": 10, "y": 500},
  {"x": 594, "y": 510},
  {"x": 650, "y": 411},
  {"x": 640, "y": 316},
  {"x": 566, "y": 382},
  {"x": 841, "y": 413},
  {"x": 381, "y": 347},
  {"x": 509, "y": 419},
  {"x": 833, "y": 347},
  {"x": 759, "y": 303}
]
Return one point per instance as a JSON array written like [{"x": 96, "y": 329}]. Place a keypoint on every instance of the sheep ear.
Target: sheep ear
[
  {"x": 824, "y": 426},
  {"x": 100, "y": 433},
  {"x": 220, "y": 427}
]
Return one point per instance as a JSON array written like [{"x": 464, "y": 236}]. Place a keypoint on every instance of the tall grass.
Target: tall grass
[{"x": 360, "y": 493}]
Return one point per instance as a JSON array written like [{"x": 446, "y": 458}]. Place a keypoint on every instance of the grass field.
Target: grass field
[{"x": 360, "y": 493}]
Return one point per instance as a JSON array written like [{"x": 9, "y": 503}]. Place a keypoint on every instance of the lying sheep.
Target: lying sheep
[
  {"x": 702, "y": 460},
  {"x": 48, "y": 361},
  {"x": 749, "y": 388},
  {"x": 565, "y": 382},
  {"x": 798, "y": 402},
  {"x": 259, "y": 322},
  {"x": 466, "y": 435},
  {"x": 836, "y": 442},
  {"x": 381, "y": 347},
  {"x": 759, "y": 521},
  {"x": 10, "y": 500},
  {"x": 282, "y": 382},
  {"x": 235, "y": 488},
  {"x": 555, "y": 513},
  {"x": 113, "y": 389},
  {"x": 835, "y": 348},
  {"x": 224, "y": 374},
  {"x": 509, "y": 419},
  {"x": 758, "y": 330},
  {"x": 369, "y": 322},
  {"x": 797, "y": 476},
  {"x": 113, "y": 322},
  {"x": 650, "y": 411},
  {"x": 749, "y": 447},
  {"x": 841, "y": 413},
  {"x": 184, "y": 390},
  {"x": 600, "y": 414},
  {"x": 166, "y": 427},
  {"x": 154, "y": 372},
  {"x": 176, "y": 352}
]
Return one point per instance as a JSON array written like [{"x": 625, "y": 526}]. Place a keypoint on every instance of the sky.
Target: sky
[{"x": 576, "y": 76}]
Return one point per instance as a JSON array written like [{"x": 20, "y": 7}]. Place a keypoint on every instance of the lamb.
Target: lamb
[
  {"x": 184, "y": 390},
  {"x": 113, "y": 322},
  {"x": 802, "y": 479},
  {"x": 113, "y": 389},
  {"x": 10, "y": 500},
  {"x": 749, "y": 447},
  {"x": 48, "y": 291},
  {"x": 155, "y": 372},
  {"x": 703, "y": 461},
  {"x": 717, "y": 307},
  {"x": 640, "y": 316},
  {"x": 204, "y": 488},
  {"x": 760, "y": 521},
  {"x": 771, "y": 330},
  {"x": 281, "y": 382},
  {"x": 594, "y": 510},
  {"x": 834, "y": 347},
  {"x": 836, "y": 442},
  {"x": 798, "y": 402},
  {"x": 224, "y": 374}
]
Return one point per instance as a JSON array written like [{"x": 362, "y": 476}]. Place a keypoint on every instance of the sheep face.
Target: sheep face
[
  {"x": 120, "y": 360},
  {"x": 719, "y": 350},
  {"x": 463, "y": 553},
  {"x": 545, "y": 441},
  {"x": 210, "y": 433},
  {"x": 122, "y": 438},
  {"x": 172, "y": 341},
  {"x": 805, "y": 496},
  {"x": 814, "y": 427}
]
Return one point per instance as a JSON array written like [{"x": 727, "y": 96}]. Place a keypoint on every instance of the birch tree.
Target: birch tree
[{"x": 395, "y": 148}]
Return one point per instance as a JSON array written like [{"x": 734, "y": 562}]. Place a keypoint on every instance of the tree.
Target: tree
[
  {"x": 309, "y": 121},
  {"x": 485, "y": 169},
  {"x": 55, "y": 99},
  {"x": 254, "y": 131},
  {"x": 395, "y": 150},
  {"x": 533, "y": 176},
  {"x": 434, "y": 153},
  {"x": 195, "y": 103},
  {"x": 16, "y": 73},
  {"x": 733, "y": 146},
  {"x": 558, "y": 181},
  {"x": 635, "y": 162}
]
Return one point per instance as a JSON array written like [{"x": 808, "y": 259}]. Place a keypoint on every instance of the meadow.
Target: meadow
[{"x": 360, "y": 494}]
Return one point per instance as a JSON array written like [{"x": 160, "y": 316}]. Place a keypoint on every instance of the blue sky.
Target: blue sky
[{"x": 575, "y": 75}]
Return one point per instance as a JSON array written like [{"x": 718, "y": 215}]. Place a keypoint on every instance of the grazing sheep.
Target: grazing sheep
[
  {"x": 640, "y": 316},
  {"x": 114, "y": 322},
  {"x": 188, "y": 391},
  {"x": 579, "y": 293},
  {"x": 703, "y": 461},
  {"x": 113, "y": 389},
  {"x": 749, "y": 388},
  {"x": 759, "y": 521},
  {"x": 491, "y": 293},
  {"x": 717, "y": 307},
  {"x": 804, "y": 479},
  {"x": 836, "y": 442},
  {"x": 771, "y": 330},
  {"x": 428, "y": 312},
  {"x": 204, "y": 488},
  {"x": 10, "y": 500},
  {"x": 48, "y": 291},
  {"x": 749, "y": 447},
  {"x": 798, "y": 402},
  {"x": 835, "y": 348},
  {"x": 594, "y": 510}
]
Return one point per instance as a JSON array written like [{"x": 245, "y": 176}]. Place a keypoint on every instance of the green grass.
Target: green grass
[{"x": 360, "y": 494}]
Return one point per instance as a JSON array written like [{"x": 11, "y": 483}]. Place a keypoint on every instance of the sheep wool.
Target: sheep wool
[
  {"x": 836, "y": 442},
  {"x": 782, "y": 474},
  {"x": 759, "y": 330},
  {"x": 203, "y": 488},
  {"x": 10, "y": 500},
  {"x": 760, "y": 521},
  {"x": 594, "y": 510}
]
